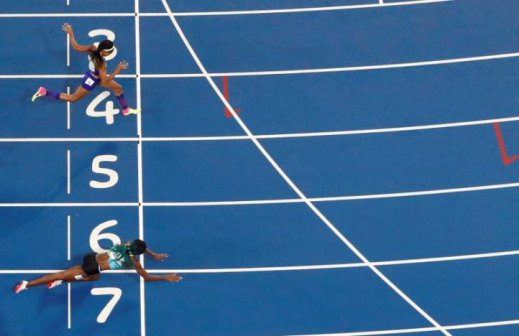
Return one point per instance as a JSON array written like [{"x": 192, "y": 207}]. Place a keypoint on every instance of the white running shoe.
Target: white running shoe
[
  {"x": 128, "y": 111},
  {"x": 54, "y": 283},
  {"x": 21, "y": 286}
]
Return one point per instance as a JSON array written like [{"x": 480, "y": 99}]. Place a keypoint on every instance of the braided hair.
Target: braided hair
[
  {"x": 96, "y": 57},
  {"x": 136, "y": 247},
  {"x": 133, "y": 248}
]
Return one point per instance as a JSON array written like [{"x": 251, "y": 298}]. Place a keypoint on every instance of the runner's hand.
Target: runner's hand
[
  {"x": 122, "y": 65},
  {"x": 160, "y": 256},
  {"x": 172, "y": 278},
  {"x": 67, "y": 28}
]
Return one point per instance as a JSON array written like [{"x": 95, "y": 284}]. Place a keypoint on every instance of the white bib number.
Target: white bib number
[{"x": 89, "y": 82}]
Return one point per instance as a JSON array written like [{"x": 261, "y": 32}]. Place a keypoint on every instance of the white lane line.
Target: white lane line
[
  {"x": 417, "y": 193},
  {"x": 59, "y": 205},
  {"x": 69, "y": 235},
  {"x": 45, "y": 76},
  {"x": 62, "y": 15},
  {"x": 69, "y": 184},
  {"x": 69, "y": 306},
  {"x": 417, "y": 330},
  {"x": 22, "y": 140},
  {"x": 341, "y": 133},
  {"x": 272, "y": 136},
  {"x": 311, "y": 9},
  {"x": 378, "y": 332},
  {"x": 337, "y": 198},
  {"x": 387, "y": 263},
  {"x": 273, "y": 201},
  {"x": 68, "y": 109},
  {"x": 341, "y": 266},
  {"x": 391, "y": 129},
  {"x": 285, "y": 72},
  {"x": 226, "y": 13},
  {"x": 140, "y": 187},
  {"x": 343, "y": 69},
  {"x": 291, "y": 183},
  {"x": 68, "y": 50}
]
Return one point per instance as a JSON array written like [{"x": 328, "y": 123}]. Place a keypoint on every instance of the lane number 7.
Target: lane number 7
[{"x": 107, "y": 310}]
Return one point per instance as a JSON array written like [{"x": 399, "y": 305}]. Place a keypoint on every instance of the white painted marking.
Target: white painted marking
[
  {"x": 107, "y": 310},
  {"x": 388, "y": 263},
  {"x": 288, "y": 72},
  {"x": 225, "y": 13},
  {"x": 290, "y": 182},
  {"x": 68, "y": 109},
  {"x": 416, "y": 193},
  {"x": 96, "y": 236},
  {"x": 106, "y": 34},
  {"x": 310, "y": 9},
  {"x": 69, "y": 306},
  {"x": 41, "y": 76},
  {"x": 378, "y": 332},
  {"x": 271, "y": 136},
  {"x": 420, "y": 330},
  {"x": 22, "y": 140},
  {"x": 142, "y": 285},
  {"x": 111, "y": 174},
  {"x": 59, "y": 205},
  {"x": 109, "y": 111},
  {"x": 64, "y": 15},
  {"x": 391, "y": 129},
  {"x": 69, "y": 184},
  {"x": 338, "y": 198},
  {"x": 272, "y": 201},
  {"x": 68, "y": 50},
  {"x": 69, "y": 236},
  {"x": 344, "y": 69},
  {"x": 341, "y": 266}
]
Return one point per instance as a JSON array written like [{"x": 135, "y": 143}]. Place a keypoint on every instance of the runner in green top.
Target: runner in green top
[{"x": 121, "y": 256}]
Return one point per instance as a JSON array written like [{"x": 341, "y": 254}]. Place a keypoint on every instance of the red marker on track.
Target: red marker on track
[
  {"x": 228, "y": 113},
  {"x": 506, "y": 159}
]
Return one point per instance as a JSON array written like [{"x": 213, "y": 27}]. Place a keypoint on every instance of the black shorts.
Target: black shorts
[{"x": 90, "y": 265}]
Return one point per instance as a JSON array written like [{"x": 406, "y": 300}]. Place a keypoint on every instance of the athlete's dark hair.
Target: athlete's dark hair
[
  {"x": 137, "y": 247},
  {"x": 96, "y": 55}
]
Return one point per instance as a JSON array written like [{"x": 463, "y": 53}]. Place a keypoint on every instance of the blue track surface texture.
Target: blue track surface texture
[{"x": 367, "y": 186}]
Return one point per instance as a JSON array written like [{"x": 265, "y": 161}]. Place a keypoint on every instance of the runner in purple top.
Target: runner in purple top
[{"x": 95, "y": 75}]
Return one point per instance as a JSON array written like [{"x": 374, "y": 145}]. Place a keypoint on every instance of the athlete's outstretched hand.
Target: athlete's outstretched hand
[
  {"x": 157, "y": 256},
  {"x": 122, "y": 65},
  {"x": 67, "y": 28},
  {"x": 172, "y": 278},
  {"x": 160, "y": 256}
]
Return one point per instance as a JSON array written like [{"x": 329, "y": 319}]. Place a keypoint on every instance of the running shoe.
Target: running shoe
[
  {"x": 21, "y": 286},
  {"x": 54, "y": 283},
  {"x": 41, "y": 92},
  {"x": 128, "y": 111}
]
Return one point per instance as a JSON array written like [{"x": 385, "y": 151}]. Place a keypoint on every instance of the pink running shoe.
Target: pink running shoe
[
  {"x": 21, "y": 286},
  {"x": 41, "y": 92}
]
